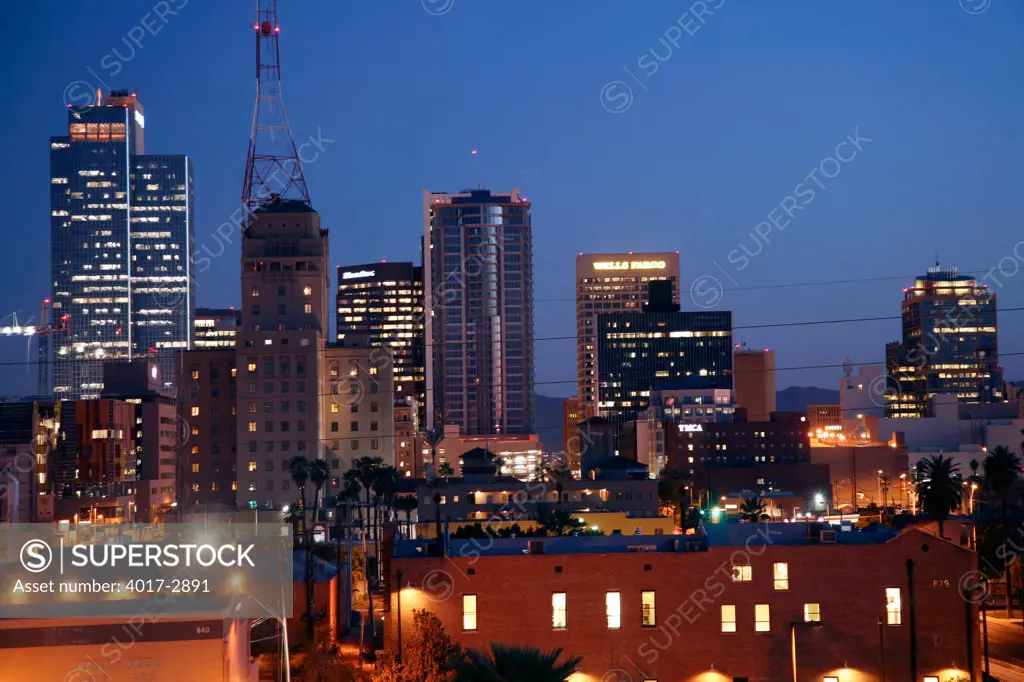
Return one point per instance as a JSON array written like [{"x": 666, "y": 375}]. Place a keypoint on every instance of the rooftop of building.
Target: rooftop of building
[
  {"x": 282, "y": 205},
  {"x": 716, "y": 535}
]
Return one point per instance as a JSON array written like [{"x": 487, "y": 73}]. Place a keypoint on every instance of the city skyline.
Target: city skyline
[{"x": 723, "y": 222}]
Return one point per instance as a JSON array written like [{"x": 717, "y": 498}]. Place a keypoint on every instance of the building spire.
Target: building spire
[{"x": 273, "y": 169}]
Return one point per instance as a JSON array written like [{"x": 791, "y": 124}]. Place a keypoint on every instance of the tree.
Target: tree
[
  {"x": 673, "y": 492},
  {"x": 1002, "y": 469},
  {"x": 298, "y": 468},
  {"x": 753, "y": 510},
  {"x": 562, "y": 522},
  {"x": 939, "y": 487},
  {"x": 436, "y": 485},
  {"x": 426, "y": 655},
  {"x": 433, "y": 438},
  {"x": 515, "y": 664},
  {"x": 406, "y": 505},
  {"x": 445, "y": 470}
]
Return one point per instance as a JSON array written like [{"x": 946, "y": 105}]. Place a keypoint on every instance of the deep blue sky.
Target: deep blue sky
[{"x": 725, "y": 129}]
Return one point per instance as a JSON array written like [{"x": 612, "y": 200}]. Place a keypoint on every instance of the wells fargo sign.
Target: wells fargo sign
[{"x": 630, "y": 265}]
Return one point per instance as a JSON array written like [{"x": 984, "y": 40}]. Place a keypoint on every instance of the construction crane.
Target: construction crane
[{"x": 43, "y": 330}]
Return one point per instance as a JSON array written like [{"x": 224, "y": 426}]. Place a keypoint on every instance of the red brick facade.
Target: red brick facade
[{"x": 848, "y": 583}]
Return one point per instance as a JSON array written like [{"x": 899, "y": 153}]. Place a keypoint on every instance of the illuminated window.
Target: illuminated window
[
  {"x": 647, "y": 608},
  {"x": 252, "y": 368},
  {"x": 931, "y": 678},
  {"x": 812, "y": 613},
  {"x": 334, "y": 408},
  {"x": 195, "y": 449},
  {"x": 742, "y": 574},
  {"x": 830, "y": 679},
  {"x": 307, "y": 291},
  {"x": 252, "y": 466},
  {"x": 195, "y": 374},
  {"x": 728, "y": 618},
  {"x": 252, "y": 427},
  {"x": 893, "y": 606},
  {"x": 255, "y": 291},
  {"x": 558, "y": 614},
  {"x": 307, "y": 308},
  {"x": 762, "y": 618},
  {"x": 469, "y": 612},
  {"x": 613, "y": 610},
  {"x": 195, "y": 411},
  {"x": 195, "y": 467},
  {"x": 781, "y": 571}
]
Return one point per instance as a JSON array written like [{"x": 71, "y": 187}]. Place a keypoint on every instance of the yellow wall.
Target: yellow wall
[{"x": 605, "y": 521}]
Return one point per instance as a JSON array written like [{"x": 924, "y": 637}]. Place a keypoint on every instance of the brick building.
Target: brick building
[{"x": 741, "y": 603}]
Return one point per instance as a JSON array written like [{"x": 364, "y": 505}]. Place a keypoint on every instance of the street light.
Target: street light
[{"x": 792, "y": 639}]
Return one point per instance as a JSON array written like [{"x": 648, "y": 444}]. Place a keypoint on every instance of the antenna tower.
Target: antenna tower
[{"x": 272, "y": 170}]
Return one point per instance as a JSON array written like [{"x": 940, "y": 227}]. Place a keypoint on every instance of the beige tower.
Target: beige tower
[
  {"x": 753, "y": 374},
  {"x": 280, "y": 350}
]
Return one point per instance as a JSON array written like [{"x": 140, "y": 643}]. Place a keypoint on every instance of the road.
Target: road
[{"x": 1006, "y": 649}]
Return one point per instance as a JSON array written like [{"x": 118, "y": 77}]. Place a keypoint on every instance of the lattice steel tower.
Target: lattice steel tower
[{"x": 273, "y": 169}]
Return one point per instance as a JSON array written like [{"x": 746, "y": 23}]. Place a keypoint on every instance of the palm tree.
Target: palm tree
[
  {"x": 939, "y": 487},
  {"x": 514, "y": 664},
  {"x": 753, "y": 510},
  {"x": 406, "y": 505},
  {"x": 672, "y": 489},
  {"x": 433, "y": 437},
  {"x": 298, "y": 468},
  {"x": 348, "y": 496},
  {"x": 385, "y": 484},
  {"x": 445, "y": 470},
  {"x": 562, "y": 523},
  {"x": 437, "y": 485},
  {"x": 1002, "y": 468}
]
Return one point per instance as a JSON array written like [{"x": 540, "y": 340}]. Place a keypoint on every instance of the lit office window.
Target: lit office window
[
  {"x": 728, "y": 618},
  {"x": 469, "y": 612},
  {"x": 195, "y": 411},
  {"x": 647, "y": 606},
  {"x": 762, "y": 618},
  {"x": 742, "y": 574},
  {"x": 558, "y": 611},
  {"x": 812, "y": 613},
  {"x": 893, "y": 606},
  {"x": 781, "y": 571},
  {"x": 613, "y": 610}
]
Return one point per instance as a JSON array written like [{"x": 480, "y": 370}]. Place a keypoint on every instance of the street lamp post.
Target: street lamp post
[
  {"x": 399, "y": 616},
  {"x": 792, "y": 640}
]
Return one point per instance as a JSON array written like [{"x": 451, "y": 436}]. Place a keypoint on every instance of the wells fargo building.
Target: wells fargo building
[{"x": 612, "y": 283}]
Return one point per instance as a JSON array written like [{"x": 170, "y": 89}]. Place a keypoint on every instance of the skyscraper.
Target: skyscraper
[
  {"x": 949, "y": 345},
  {"x": 216, "y": 328},
  {"x": 384, "y": 301},
  {"x": 612, "y": 283},
  {"x": 479, "y": 303},
  {"x": 659, "y": 346},
  {"x": 121, "y": 242}
]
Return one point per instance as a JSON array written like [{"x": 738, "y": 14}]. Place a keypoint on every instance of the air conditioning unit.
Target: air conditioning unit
[
  {"x": 827, "y": 537},
  {"x": 537, "y": 546}
]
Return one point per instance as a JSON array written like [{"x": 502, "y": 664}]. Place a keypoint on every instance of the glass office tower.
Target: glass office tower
[
  {"x": 121, "y": 242},
  {"x": 479, "y": 311}
]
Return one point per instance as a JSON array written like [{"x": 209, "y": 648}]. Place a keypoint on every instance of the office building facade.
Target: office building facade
[
  {"x": 949, "y": 345},
  {"x": 384, "y": 301},
  {"x": 612, "y": 283},
  {"x": 121, "y": 240},
  {"x": 638, "y": 351},
  {"x": 216, "y": 328},
  {"x": 479, "y": 299}
]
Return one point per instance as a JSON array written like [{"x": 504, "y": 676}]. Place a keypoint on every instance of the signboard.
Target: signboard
[
  {"x": 691, "y": 428},
  {"x": 359, "y": 274},
  {"x": 140, "y": 119},
  {"x": 630, "y": 265}
]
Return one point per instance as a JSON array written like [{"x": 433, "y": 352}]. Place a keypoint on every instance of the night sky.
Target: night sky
[{"x": 701, "y": 148}]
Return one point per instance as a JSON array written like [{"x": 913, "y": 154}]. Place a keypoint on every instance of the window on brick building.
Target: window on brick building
[
  {"x": 812, "y": 613},
  {"x": 195, "y": 467},
  {"x": 469, "y": 612},
  {"x": 762, "y": 618},
  {"x": 558, "y": 611},
  {"x": 647, "y": 609},
  {"x": 728, "y": 618},
  {"x": 893, "y": 606},
  {"x": 781, "y": 572},
  {"x": 252, "y": 427},
  {"x": 613, "y": 610},
  {"x": 742, "y": 574},
  {"x": 195, "y": 411}
]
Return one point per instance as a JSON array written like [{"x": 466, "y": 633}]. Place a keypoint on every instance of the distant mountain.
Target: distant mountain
[
  {"x": 548, "y": 419},
  {"x": 797, "y": 398}
]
